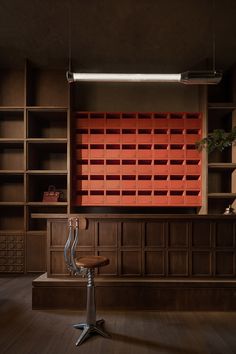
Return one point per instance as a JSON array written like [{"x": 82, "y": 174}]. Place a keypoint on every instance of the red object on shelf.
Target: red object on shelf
[{"x": 138, "y": 158}]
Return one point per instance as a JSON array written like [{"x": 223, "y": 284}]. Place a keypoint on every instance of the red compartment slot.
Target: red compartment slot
[
  {"x": 160, "y": 115},
  {"x": 96, "y": 151},
  {"x": 192, "y": 198},
  {"x": 128, "y": 151},
  {"x": 161, "y": 136},
  {"x": 128, "y": 182},
  {"x": 112, "y": 182},
  {"x": 113, "y": 115},
  {"x": 193, "y": 115},
  {"x": 82, "y": 131},
  {"x": 128, "y": 166},
  {"x": 144, "y": 197},
  {"x": 176, "y": 197},
  {"x": 128, "y": 197},
  {"x": 144, "y": 182},
  {"x": 96, "y": 192},
  {"x": 176, "y": 182},
  {"x": 112, "y": 151},
  {"x": 128, "y": 115},
  {"x": 113, "y": 120},
  {"x": 160, "y": 182},
  {"x": 82, "y": 115},
  {"x": 82, "y": 146},
  {"x": 113, "y": 166},
  {"x": 176, "y": 116},
  {"x": 112, "y": 131},
  {"x": 97, "y": 115},
  {"x": 176, "y": 151},
  {"x": 160, "y": 197},
  {"x": 176, "y": 120}
]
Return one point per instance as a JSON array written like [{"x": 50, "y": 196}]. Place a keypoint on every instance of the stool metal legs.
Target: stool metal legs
[{"x": 91, "y": 325}]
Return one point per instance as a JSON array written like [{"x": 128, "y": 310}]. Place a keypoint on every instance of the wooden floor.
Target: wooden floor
[{"x": 26, "y": 331}]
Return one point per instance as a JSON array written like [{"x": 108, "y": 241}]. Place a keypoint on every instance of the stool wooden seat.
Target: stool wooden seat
[
  {"x": 84, "y": 265},
  {"x": 91, "y": 261}
]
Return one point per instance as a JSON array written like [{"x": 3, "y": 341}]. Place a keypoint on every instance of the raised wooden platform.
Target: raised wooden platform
[{"x": 136, "y": 293}]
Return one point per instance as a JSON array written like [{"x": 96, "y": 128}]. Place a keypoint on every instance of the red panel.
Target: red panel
[{"x": 138, "y": 158}]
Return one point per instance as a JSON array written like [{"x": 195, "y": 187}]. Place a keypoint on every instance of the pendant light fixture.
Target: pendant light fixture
[
  {"x": 187, "y": 78},
  {"x": 204, "y": 77}
]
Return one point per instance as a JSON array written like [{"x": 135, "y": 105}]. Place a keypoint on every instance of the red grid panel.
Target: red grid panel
[{"x": 138, "y": 158}]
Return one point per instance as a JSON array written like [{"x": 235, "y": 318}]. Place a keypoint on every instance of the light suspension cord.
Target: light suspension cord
[
  {"x": 69, "y": 36},
  {"x": 213, "y": 37}
]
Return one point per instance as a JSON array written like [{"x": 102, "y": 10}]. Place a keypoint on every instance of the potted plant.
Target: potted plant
[{"x": 218, "y": 139}]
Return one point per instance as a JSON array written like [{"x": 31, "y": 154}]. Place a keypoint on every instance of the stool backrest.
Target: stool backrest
[{"x": 74, "y": 225}]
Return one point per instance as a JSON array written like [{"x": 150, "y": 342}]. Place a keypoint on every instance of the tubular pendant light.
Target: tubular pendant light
[
  {"x": 188, "y": 77},
  {"x": 207, "y": 77}
]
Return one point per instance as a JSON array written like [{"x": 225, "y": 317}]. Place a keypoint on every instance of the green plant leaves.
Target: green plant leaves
[{"x": 219, "y": 139}]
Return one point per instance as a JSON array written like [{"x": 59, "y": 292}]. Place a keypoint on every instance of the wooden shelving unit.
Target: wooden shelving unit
[
  {"x": 222, "y": 165},
  {"x": 36, "y": 151},
  {"x": 33, "y": 155}
]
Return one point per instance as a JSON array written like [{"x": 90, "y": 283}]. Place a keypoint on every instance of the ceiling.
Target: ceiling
[{"x": 121, "y": 36}]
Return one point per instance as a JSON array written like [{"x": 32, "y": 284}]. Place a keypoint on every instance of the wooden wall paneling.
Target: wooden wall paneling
[
  {"x": 58, "y": 234},
  {"x": 131, "y": 262},
  {"x": 225, "y": 263},
  {"x": 57, "y": 264},
  {"x": 106, "y": 239},
  {"x": 201, "y": 234},
  {"x": 154, "y": 242},
  {"x": 178, "y": 234},
  {"x": 201, "y": 243},
  {"x": 178, "y": 248},
  {"x": 154, "y": 263},
  {"x": 160, "y": 248},
  {"x": 36, "y": 258},
  {"x": 130, "y": 248},
  {"x": 201, "y": 262},
  {"x": 224, "y": 256},
  {"x": 155, "y": 234},
  {"x": 178, "y": 263},
  {"x": 225, "y": 234},
  {"x": 131, "y": 234}
]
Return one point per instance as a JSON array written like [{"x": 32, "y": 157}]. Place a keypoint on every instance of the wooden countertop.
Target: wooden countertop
[{"x": 133, "y": 216}]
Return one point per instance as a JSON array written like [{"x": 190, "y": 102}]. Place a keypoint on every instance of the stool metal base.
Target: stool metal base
[{"x": 89, "y": 329}]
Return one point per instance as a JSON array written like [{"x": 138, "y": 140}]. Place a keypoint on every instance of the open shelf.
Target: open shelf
[
  {"x": 46, "y": 88},
  {"x": 35, "y": 224},
  {"x": 11, "y": 124},
  {"x": 222, "y": 195},
  {"x": 47, "y": 156},
  {"x": 222, "y": 165},
  {"x": 11, "y": 156},
  {"x": 12, "y": 188},
  {"x": 38, "y": 184},
  {"x": 47, "y": 124},
  {"x": 12, "y": 217}
]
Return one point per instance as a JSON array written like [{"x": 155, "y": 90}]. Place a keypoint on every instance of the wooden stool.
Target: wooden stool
[{"x": 84, "y": 266}]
